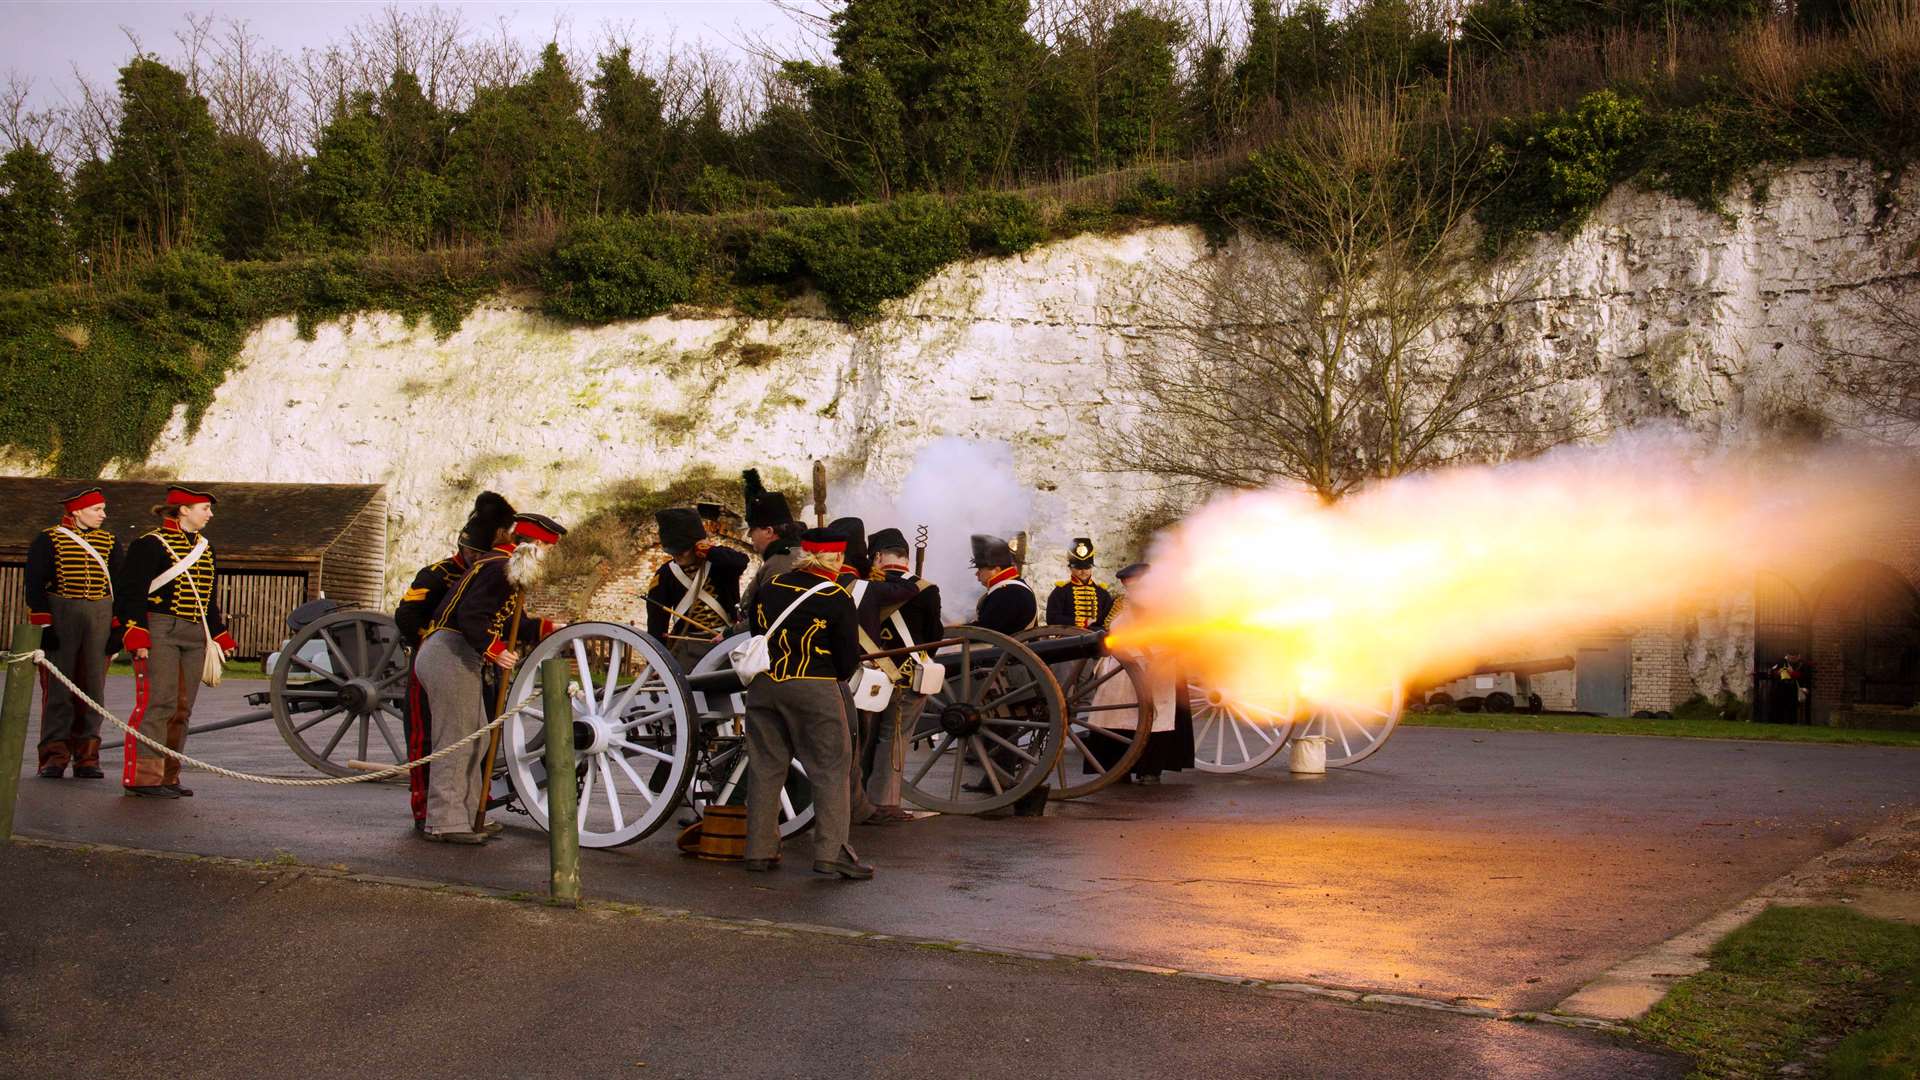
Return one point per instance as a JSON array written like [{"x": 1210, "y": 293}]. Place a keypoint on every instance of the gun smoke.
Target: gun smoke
[{"x": 1281, "y": 600}]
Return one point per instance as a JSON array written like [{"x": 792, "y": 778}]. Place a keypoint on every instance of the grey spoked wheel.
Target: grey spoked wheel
[
  {"x": 992, "y": 733},
  {"x": 1230, "y": 736},
  {"x": 1354, "y": 731},
  {"x": 1110, "y": 712},
  {"x": 633, "y": 724},
  {"x": 720, "y": 771},
  {"x": 338, "y": 692}
]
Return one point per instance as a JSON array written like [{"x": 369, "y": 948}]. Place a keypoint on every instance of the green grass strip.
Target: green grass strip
[{"x": 1792, "y": 980}]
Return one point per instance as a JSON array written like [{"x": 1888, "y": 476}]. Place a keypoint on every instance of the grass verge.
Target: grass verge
[
  {"x": 1823, "y": 988},
  {"x": 1676, "y": 728},
  {"x": 236, "y": 669}
]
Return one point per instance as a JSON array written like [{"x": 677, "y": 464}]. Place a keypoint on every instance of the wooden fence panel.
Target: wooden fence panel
[
  {"x": 13, "y": 600},
  {"x": 257, "y": 605}
]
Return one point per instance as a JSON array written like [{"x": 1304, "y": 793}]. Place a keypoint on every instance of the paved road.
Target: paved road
[
  {"x": 126, "y": 966},
  {"x": 1504, "y": 869}
]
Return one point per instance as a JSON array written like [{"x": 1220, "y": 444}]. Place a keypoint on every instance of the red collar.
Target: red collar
[
  {"x": 506, "y": 547},
  {"x": 69, "y": 522},
  {"x": 1008, "y": 574},
  {"x": 821, "y": 571},
  {"x": 171, "y": 523},
  {"x": 460, "y": 559}
]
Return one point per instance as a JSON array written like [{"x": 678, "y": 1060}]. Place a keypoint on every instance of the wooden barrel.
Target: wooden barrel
[{"x": 721, "y": 834}]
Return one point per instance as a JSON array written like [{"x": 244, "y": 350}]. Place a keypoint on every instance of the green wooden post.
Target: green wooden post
[
  {"x": 14, "y": 707},
  {"x": 563, "y": 834}
]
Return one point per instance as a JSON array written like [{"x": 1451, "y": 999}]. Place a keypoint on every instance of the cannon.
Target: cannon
[
  {"x": 1231, "y": 736},
  {"x": 650, "y": 737}
]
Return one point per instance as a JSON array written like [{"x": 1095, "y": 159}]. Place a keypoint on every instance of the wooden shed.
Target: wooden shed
[{"x": 280, "y": 545}]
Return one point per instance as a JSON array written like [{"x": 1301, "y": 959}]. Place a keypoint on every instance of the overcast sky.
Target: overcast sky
[{"x": 47, "y": 41}]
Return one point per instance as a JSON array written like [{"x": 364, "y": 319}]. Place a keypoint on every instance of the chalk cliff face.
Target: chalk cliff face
[{"x": 1655, "y": 309}]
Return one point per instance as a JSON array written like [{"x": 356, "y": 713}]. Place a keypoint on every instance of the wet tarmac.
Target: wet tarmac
[
  {"x": 1502, "y": 869},
  {"x": 228, "y": 971}
]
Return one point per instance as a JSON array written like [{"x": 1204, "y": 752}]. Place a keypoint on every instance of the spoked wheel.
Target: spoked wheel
[
  {"x": 633, "y": 724},
  {"x": 1110, "y": 713},
  {"x": 1230, "y": 736},
  {"x": 339, "y": 690},
  {"x": 992, "y": 733},
  {"x": 720, "y": 775},
  {"x": 1354, "y": 732}
]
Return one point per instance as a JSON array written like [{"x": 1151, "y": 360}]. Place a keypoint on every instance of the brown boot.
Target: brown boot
[{"x": 86, "y": 759}]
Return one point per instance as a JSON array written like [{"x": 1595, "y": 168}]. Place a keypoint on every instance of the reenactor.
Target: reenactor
[
  {"x": 797, "y": 707},
  {"x": 1125, "y": 576},
  {"x": 489, "y": 525},
  {"x": 168, "y": 608},
  {"x": 1170, "y": 745},
  {"x": 774, "y": 536},
  {"x": 481, "y": 623},
  {"x": 914, "y": 620},
  {"x": 491, "y": 514},
  {"x": 1008, "y": 605},
  {"x": 69, "y": 591},
  {"x": 1079, "y": 601},
  {"x": 695, "y": 594},
  {"x": 873, "y": 600}
]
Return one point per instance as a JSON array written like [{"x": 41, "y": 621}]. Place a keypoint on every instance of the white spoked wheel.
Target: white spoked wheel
[
  {"x": 1354, "y": 731},
  {"x": 633, "y": 723},
  {"x": 720, "y": 773},
  {"x": 1231, "y": 736}
]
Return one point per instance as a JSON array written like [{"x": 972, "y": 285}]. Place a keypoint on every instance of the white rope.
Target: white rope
[{"x": 39, "y": 657}]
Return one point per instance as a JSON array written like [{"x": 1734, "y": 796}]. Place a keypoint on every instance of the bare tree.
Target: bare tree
[
  {"x": 1878, "y": 373},
  {"x": 46, "y": 130},
  {"x": 1368, "y": 342}
]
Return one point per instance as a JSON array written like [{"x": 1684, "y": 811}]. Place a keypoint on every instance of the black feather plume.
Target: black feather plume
[{"x": 750, "y": 487}]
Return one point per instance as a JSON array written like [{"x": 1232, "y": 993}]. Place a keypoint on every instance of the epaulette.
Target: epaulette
[{"x": 1061, "y": 584}]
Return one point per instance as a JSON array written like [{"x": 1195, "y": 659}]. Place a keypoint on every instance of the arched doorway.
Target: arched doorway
[
  {"x": 1782, "y": 624},
  {"x": 1867, "y": 624}
]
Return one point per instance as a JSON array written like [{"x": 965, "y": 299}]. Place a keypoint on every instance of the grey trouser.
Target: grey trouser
[
  {"x": 164, "y": 686},
  {"x": 68, "y": 729},
  {"x": 889, "y": 752},
  {"x": 859, "y": 734},
  {"x": 449, "y": 671},
  {"x": 803, "y": 718}
]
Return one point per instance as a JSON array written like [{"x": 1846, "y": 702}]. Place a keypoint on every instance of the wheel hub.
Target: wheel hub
[
  {"x": 960, "y": 720},
  {"x": 358, "y": 695},
  {"x": 591, "y": 735}
]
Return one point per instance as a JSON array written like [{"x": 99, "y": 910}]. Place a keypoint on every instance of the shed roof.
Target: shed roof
[{"x": 252, "y": 522}]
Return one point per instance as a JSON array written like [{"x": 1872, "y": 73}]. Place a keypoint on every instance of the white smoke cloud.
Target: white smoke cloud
[{"x": 955, "y": 488}]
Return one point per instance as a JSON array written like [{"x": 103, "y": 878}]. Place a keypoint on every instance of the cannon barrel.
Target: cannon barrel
[{"x": 1059, "y": 650}]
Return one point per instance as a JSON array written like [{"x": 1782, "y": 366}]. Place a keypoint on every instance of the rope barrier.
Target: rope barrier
[{"x": 40, "y": 657}]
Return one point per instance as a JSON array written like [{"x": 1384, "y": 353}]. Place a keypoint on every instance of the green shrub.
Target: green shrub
[
  {"x": 622, "y": 268},
  {"x": 1556, "y": 167},
  {"x": 1000, "y": 224},
  {"x": 1703, "y": 148},
  {"x": 1152, "y": 197},
  {"x": 860, "y": 258}
]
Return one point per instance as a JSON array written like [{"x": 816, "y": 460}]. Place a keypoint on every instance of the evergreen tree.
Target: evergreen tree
[
  {"x": 35, "y": 248},
  {"x": 927, "y": 93},
  {"x": 629, "y": 133},
  {"x": 164, "y": 157}
]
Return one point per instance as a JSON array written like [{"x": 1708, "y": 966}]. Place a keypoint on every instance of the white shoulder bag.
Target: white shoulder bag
[
  {"x": 213, "y": 666},
  {"x": 749, "y": 658}
]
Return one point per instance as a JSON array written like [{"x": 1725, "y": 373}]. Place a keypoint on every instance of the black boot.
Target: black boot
[{"x": 848, "y": 866}]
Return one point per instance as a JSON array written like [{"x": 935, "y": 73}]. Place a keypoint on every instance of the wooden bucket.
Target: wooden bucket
[{"x": 720, "y": 835}]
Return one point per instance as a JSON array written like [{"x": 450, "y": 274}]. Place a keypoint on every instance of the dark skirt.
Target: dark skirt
[
  {"x": 1166, "y": 751},
  {"x": 1169, "y": 751}
]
